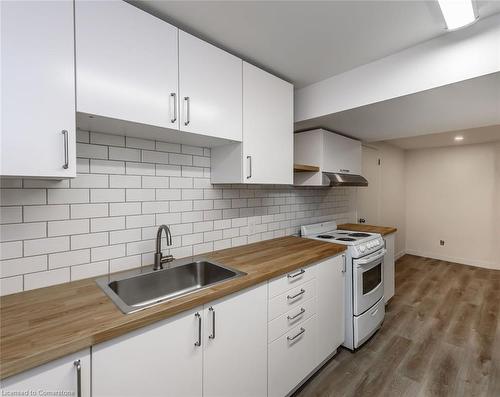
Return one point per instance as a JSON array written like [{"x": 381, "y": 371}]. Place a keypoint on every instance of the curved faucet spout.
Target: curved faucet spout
[{"x": 159, "y": 258}]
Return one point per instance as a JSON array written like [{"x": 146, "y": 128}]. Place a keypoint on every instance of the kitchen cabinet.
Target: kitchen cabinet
[
  {"x": 38, "y": 89},
  {"x": 389, "y": 282},
  {"x": 163, "y": 359},
  {"x": 210, "y": 81},
  {"x": 329, "y": 151},
  {"x": 266, "y": 154},
  {"x": 69, "y": 375},
  {"x": 330, "y": 276},
  {"x": 127, "y": 64},
  {"x": 235, "y": 345}
]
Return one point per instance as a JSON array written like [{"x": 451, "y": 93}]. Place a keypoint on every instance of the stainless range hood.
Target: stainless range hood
[{"x": 337, "y": 179}]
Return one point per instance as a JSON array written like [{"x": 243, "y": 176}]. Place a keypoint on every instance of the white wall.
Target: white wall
[{"x": 453, "y": 194}]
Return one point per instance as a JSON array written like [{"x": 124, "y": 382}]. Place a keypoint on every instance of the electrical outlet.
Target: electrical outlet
[{"x": 441, "y": 242}]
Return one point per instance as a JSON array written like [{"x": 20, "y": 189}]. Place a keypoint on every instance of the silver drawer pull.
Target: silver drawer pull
[
  {"x": 66, "y": 160},
  {"x": 290, "y": 338},
  {"x": 302, "y": 271},
  {"x": 198, "y": 342},
  {"x": 78, "y": 365},
  {"x": 296, "y": 295},
  {"x": 302, "y": 311}
]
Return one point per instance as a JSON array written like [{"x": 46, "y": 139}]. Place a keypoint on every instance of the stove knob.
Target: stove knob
[
  {"x": 376, "y": 242},
  {"x": 362, "y": 248}
]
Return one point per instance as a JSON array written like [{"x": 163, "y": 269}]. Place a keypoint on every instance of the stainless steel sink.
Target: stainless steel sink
[{"x": 133, "y": 293}]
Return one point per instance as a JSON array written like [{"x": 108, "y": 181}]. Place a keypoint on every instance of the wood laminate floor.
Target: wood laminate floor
[{"x": 440, "y": 337}]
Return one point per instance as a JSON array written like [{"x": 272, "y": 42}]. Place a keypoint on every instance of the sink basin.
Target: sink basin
[{"x": 144, "y": 290}]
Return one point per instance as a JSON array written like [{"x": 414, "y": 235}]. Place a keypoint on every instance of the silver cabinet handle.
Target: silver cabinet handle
[
  {"x": 188, "y": 113},
  {"x": 296, "y": 295},
  {"x": 299, "y": 273},
  {"x": 198, "y": 342},
  {"x": 212, "y": 336},
  {"x": 344, "y": 264},
  {"x": 249, "y": 158},
  {"x": 174, "y": 96},
  {"x": 302, "y": 311},
  {"x": 66, "y": 160},
  {"x": 344, "y": 170},
  {"x": 78, "y": 366},
  {"x": 290, "y": 338}
]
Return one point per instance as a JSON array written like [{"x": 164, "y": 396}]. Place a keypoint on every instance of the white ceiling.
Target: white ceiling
[
  {"x": 471, "y": 136},
  {"x": 468, "y": 104},
  {"x": 308, "y": 41}
]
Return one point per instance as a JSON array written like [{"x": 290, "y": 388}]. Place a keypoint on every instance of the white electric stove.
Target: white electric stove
[{"x": 364, "y": 282}]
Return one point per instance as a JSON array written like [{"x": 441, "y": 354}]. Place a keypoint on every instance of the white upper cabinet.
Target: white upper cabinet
[
  {"x": 127, "y": 64},
  {"x": 164, "y": 359},
  {"x": 266, "y": 154},
  {"x": 70, "y": 374},
  {"x": 38, "y": 89},
  {"x": 210, "y": 82},
  {"x": 341, "y": 154},
  {"x": 267, "y": 127},
  {"x": 235, "y": 345}
]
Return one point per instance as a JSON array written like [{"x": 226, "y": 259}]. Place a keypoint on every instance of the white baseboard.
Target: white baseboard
[
  {"x": 399, "y": 255},
  {"x": 463, "y": 261}
]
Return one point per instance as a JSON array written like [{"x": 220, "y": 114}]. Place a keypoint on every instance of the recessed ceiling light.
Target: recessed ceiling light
[
  {"x": 457, "y": 13},
  {"x": 459, "y": 138}
]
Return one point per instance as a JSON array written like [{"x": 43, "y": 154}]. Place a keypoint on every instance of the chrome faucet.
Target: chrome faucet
[{"x": 159, "y": 258}]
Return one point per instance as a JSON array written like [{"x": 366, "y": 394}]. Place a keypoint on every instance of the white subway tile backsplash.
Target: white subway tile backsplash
[
  {"x": 69, "y": 258},
  {"x": 11, "y": 215},
  {"x": 22, "y": 196},
  {"x": 124, "y": 189},
  {"x": 89, "y": 210},
  {"x": 22, "y": 231},
  {"x": 67, "y": 196},
  {"x": 46, "y": 245},
  {"x": 12, "y": 249},
  {"x": 64, "y": 228},
  {"x": 45, "y": 279},
  {"x": 14, "y": 267},
  {"x": 89, "y": 240}
]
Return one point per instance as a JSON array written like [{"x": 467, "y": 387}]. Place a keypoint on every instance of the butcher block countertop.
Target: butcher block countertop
[
  {"x": 45, "y": 324},
  {"x": 361, "y": 227}
]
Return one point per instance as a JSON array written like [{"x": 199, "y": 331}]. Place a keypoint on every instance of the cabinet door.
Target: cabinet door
[
  {"x": 330, "y": 276},
  {"x": 127, "y": 64},
  {"x": 159, "y": 360},
  {"x": 235, "y": 352},
  {"x": 267, "y": 127},
  {"x": 60, "y": 376},
  {"x": 389, "y": 283},
  {"x": 210, "y": 81},
  {"x": 38, "y": 89},
  {"x": 341, "y": 154}
]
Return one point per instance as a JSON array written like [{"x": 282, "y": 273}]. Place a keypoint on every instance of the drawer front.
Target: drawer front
[
  {"x": 291, "y": 319},
  {"x": 366, "y": 324},
  {"x": 291, "y": 299},
  {"x": 290, "y": 280},
  {"x": 290, "y": 361}
]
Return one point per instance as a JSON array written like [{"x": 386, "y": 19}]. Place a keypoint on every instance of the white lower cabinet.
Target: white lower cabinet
[
  {"x": 158, "y": 360},
  {"x": 66, "y": 376},
  {"x": 177, "y": 358},
  {"x": 292, "y": 358},
  {"x": 235, "y": 345},
  {"x": 389, "y": 284},
  {"x": 330, "y": 276}
]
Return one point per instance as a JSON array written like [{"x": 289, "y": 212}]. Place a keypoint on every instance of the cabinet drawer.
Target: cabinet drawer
[
  {"x": 291, "y": 319},
  {"x": 290, "y": 361},
  {"x": 291, "y": 299},
  {"x": 290, "y": 280}
]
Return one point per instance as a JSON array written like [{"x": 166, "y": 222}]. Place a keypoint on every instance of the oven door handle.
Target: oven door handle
[{"x": 370, "y": 259}]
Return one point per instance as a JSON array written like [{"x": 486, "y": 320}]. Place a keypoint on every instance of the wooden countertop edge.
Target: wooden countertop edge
[
  {"x": 148, "y": 316},
  {"x": 360, "y": 227}
]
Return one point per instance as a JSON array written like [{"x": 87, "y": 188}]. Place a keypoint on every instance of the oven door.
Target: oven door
[{"x": 368, "y": 281}]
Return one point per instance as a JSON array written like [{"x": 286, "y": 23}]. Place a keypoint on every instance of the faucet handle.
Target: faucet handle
[{"x": 167, "y": 259}]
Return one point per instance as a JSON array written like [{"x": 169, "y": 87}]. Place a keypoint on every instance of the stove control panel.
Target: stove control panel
[{"x": 367, "y": 247}]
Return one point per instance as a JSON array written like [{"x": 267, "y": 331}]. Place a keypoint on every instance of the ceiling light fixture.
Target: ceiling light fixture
[
  {"x": 457, "y": 13},
  {"x": 459, "y": 138}
]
